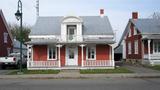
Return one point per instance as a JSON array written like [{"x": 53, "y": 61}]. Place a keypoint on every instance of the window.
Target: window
[
  {"x": 129, "y": 47},
  {"x": 5, "y": 36},
  {"x": 71, "y": 31},
  {"x": 157, "y": 47},
  {"x": 91, "y": 53},
  {"x": 52, "y": 53},
  {"x": 135, "y": 31},
  {"x": 8, "y": 50},
  {"x": 129, "y": 34},
  {"x": 136, "y": 47}
]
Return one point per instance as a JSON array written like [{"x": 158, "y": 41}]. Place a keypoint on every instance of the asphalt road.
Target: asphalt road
[{"x": 81, "y": 84}]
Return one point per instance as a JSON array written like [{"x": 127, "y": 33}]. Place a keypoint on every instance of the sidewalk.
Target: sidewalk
[
  {"x": 140, "y": 72},
  {"x": 80, "y": 76}
]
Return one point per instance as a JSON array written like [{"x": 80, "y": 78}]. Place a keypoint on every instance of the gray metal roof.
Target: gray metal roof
[
  {"x": 147, "y": 26},
  {"x": 144, "y": 26},
  {"x": 92, "y": 25}
]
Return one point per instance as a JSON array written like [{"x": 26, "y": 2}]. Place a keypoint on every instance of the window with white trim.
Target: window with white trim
[
  {"x": 52, "y": 53},
  {"x": 5, "y": 36},
  {"x": 156, "y": 46},
  {"x": 129, "y": 47},
  {"x": 136, "y": 47},
  {"x": 135, "y": 31},
  {"x": 129, "y": 34},
  {"x": 91, "y": 53}
]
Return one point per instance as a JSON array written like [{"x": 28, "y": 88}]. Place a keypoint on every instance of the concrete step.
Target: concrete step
[{"x": 69, "y": 71}]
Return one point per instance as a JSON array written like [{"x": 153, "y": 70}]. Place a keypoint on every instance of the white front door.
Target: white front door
[{"x": 72, "y": 56}]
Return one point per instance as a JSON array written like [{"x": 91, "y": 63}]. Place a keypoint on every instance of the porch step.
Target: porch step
[{"x": 69, "y": 71}]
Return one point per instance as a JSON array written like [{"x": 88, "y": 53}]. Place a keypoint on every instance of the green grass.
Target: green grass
[
  {"x": 25, "y": 71},
  {"x": 156, "y": 67},
  {"x": 105, "y": 71}
]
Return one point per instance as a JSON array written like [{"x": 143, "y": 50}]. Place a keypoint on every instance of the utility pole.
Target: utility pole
[{"x": 37, "y": 8}]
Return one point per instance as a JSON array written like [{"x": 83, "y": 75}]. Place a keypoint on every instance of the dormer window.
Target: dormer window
[
  {"x": 71, "y": 32},
  {"x": 5, "y": 36},
  {"x": 71, "y": 29}
]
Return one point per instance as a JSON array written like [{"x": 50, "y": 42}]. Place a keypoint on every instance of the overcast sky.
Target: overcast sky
[{"x": 118, "y": 11}]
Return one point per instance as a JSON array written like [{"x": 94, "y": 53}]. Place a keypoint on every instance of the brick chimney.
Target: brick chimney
[
  {"x": 134, "y": 15},
  {"x": 102, "y": 12}
]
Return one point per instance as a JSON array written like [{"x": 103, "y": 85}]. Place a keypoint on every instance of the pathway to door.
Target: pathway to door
[{"x": 69, "y": 73}]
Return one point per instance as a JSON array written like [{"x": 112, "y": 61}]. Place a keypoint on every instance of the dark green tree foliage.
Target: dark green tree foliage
[{"x": 15, "y": 30}]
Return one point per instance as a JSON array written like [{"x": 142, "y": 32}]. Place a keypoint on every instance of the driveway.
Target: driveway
[
  {"x": 140, "y": 69},
  {"x": 6, "y": 71}
]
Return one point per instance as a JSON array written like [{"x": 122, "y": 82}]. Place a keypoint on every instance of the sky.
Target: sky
[{"x": 118, "y": 11}]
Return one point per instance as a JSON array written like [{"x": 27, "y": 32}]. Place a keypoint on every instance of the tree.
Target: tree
[{"x": 15, "y": 30}]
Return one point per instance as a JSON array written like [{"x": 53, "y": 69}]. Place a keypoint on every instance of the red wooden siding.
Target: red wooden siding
[
  {"x": 132, "y": 39},
  {"x": 63, "y": 55},
  {"x": 4, "y": 46},
  {"x": 40, "y": 53},
  {"x": 79, "y": 56},
  {"x": 102, "y": 52}
]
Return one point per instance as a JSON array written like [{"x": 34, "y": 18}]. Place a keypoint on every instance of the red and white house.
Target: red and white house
[
  {"x": 71, "y": 42},
  {"x": 6, "y": 40},
  {"x": 141, "y": 40}
]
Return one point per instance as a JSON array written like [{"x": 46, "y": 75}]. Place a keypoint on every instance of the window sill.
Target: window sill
[
  {"x": 52, "y": 60},
  {"x": 90, "y": 59}
]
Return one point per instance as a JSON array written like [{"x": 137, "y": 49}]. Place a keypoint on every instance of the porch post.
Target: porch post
[
  {"x": 59, "y": 56},
  {"x": 143, "y": 49},
  {"x": 82, "y": 56},
  {"x": 112, "y": 55},
  {"x": 29, "y": 55},
  {"x": 149, "y": 49}
]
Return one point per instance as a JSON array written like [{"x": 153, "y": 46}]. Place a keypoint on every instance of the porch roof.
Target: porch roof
[
  {"x": 151, "y": 37},
  {"x": 54, "y": 41}
]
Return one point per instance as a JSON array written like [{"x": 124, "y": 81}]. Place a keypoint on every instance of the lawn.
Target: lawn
[
  {"x": 105, "y": 71},
  {"x": 156, "y": 67},
  {"x": 25, "y": 71}
]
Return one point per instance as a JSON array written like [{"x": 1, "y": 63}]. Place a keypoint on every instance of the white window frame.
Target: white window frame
[
  {"x": 136, "y": 47},
  {"x": 135, "y": 31},
  {"x": 129, "y": 48},
  {"x": 129, "y": 33},
  {"x": 52, "y": 47},
  {"x": 157, "y": 43},
  {"x": 94, "y": 48},
  {"x": 5, "y": 37},
  {"x": 8, "y": 50}
]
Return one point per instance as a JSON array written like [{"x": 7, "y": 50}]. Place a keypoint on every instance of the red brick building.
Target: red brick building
[
  {"x": 141, "y": 40},
  {"x": 6, "y": 40},
  {"x": 71, "y": 42}
]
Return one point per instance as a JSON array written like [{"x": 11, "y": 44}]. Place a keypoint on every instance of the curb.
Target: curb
[{"x": 80, "y": 76}]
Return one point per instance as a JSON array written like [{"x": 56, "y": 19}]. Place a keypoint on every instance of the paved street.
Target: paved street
[{"x": 81, "y": 84}]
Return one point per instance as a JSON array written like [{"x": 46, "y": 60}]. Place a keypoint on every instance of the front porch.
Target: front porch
[
  {"x": 151, "y": 53},
  {"x": 70, "y": 56}
]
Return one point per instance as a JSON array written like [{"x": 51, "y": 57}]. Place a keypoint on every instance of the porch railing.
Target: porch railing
[
  {"x": 42, "y": 64},
  {"x": 98, "y": 63},
  {"x": 152, "y": 56}
]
